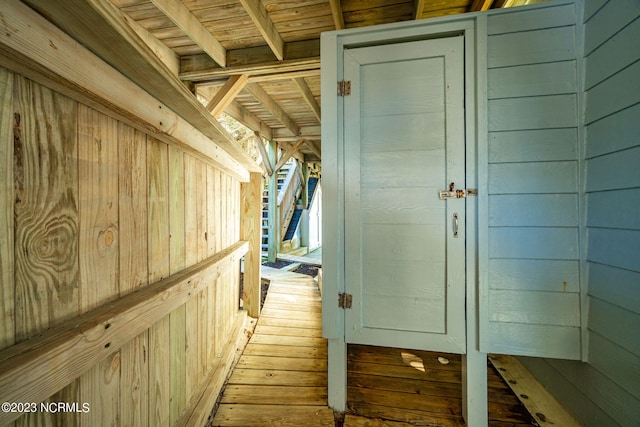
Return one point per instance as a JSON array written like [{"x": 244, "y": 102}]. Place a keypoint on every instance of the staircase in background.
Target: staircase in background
[
  {"x": 284, "y": 180},
  {"x": 297, "y": 214}
]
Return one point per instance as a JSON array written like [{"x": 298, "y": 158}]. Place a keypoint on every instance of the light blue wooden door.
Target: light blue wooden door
[{"x": 404, "y": 142}]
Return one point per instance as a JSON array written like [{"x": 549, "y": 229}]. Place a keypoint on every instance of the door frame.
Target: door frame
[
  {"x": 333, "y": 318},
  {"x": 448, "y": 53}
]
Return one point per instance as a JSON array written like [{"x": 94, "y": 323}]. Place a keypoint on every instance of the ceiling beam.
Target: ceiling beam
[
  {"x": 226, "y": 94},
  {"x": 418, "y": 7},
  {"x": 178, "y": 13},
  {"x": 263, "y": 154},
  {"x": 499, "y": 4},
  {"x": 102, "y": 28},
  {"x": 336, "y": 11},
  {"x": 300, "y": 56},
  {"x": 311, "y": 145},
  {"x": 265, "y": 25},
  {"x": 309, "y": 132},
  {"x": 480, "y": 5},
  {"x": 162, "y": 51},
  {"x": 285, "y": 146},
  {"x": 267, "y": 102},
  {"x": 288, "y": 154},
  {"x": 249, "y": 119},
  {"x": 308, "y": 96}
]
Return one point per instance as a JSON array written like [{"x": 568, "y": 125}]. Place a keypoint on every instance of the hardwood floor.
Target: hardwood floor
[
  {"x": 281, "y": 378},
  {"x": 416, "y": 387}
]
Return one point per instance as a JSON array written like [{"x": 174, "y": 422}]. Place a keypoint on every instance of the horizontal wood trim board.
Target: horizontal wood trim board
[
  {"x": 559, "y": 243},
  {"x": 533, "y": 178},
  {"x": 618, "y": 248},
  {"x": 45, "y": 54},
  {"x": 613, "y": 133},
  {"x": 537, "y": 112},
  {"x": 614, "y": 323},
  {"x": 532, "y": 47},
  {"x": 532, "y": 80},
  {"x": 35, "y": 369},
  {"x": 519, "y": 20},
  {"x": 541, "y": 308},
  {"x": 533, "y": 210},
  {"x": 560, "y": 342},
  {"x": 614, "y": 171},
  {"x": 611, "y": 209},
  {"x": 101, "y": 26},
  {"x": 533, "y": 145},
  {"x": 616, "y": 93},
  {"x": 620, "y": 365},
  {"x": 607, "y": 22},
  {"x": 615, "y": 285},
  {"x": 534, "y": 275},
  {"x": 614, "y": 55}
]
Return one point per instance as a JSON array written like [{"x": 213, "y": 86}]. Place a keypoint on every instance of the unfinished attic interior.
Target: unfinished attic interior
[{"x": 467, "y": 169}]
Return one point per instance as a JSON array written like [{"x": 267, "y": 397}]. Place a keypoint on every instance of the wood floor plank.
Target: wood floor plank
[
  {"x": 254, "y": 349},
  {"x": 282, "y": 363},
  {"x": 295, "y": 341},
  {"x": 405, "y": 372},
  {"x": 288, "y": 331},
  {"x": 419, "y": 387},
  {"x": 275, "y": 395},
  {"x": 309, "y": 291},
  {"x": 315, "y": 307},
  {"x": 278, "y": 377},
  {"x": 356, "y": 421},
  {"x": 415, "y": 358},
  {"x": 273, "y": 415},
  {"x": 414, "y": 417},
  {"x": 442, "y": 405},
  {"x": 295, "y": 300},
  {"x": 289, "y": 314},
  {"x": 275, "y": 321}
]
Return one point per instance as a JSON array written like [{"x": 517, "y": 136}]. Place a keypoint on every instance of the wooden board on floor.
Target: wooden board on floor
[
  {"x": 286, "y": 351},
  {"x": 281, "y": 378},
  {"x": 544, "y": 407},
  {"x": 356, "y": 421},
  {"x": 275, "y": 394},
  {"x": 288, "y": 314},
  {"x": 288, "y": 331},
  {"x": 282, "y": 363},
  {"x": 278, "y": 377},
  {"x": 299, "y": 341},
  {"x": 410, "y": 386},
  {"x": 273, "y": 415},
  {"x": 275, "y": 321}
]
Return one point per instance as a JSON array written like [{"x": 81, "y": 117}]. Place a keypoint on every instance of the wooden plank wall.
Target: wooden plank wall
[
  {"x": 606, "y": 391},
  {"x": 90, "y": 211},
  {"x": 533, "y": 288}
]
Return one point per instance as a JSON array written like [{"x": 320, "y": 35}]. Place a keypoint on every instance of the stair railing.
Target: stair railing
[{"x": 287, "y": 198}]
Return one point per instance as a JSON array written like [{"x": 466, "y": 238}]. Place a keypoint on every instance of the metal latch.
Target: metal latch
[
  {"x": 457, "y": 194},
  {"x": 344, "y": 300}
]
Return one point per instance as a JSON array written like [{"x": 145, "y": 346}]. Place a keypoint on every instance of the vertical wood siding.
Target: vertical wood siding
[
  {"x": 90, "y": 211},
  {"x": 606, "y": 390},
  {"x": 533, "y": 182}
]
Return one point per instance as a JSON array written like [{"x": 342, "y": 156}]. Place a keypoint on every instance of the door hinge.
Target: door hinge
[
  {"x": 344, "y": 300},
  {"x": 344, "y": 88}
]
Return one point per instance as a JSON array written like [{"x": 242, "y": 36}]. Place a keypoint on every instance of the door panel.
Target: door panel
[{"x": 404, "y": 142}]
